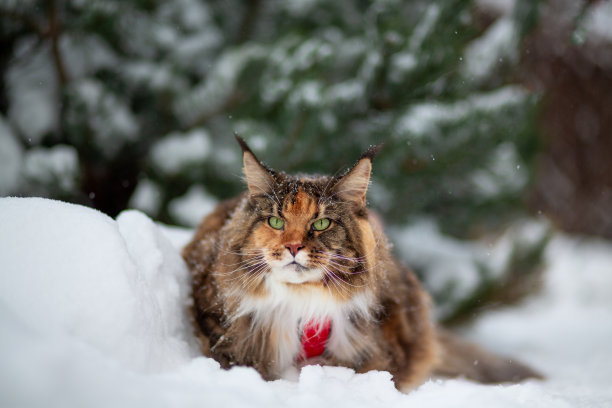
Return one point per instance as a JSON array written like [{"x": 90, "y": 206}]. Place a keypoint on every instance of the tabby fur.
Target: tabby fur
[{"x": 254, "y": 286}]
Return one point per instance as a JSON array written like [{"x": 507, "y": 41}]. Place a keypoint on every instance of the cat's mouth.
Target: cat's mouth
[
  {"x": 296, "y": 273},
  {"x": 296, "y": 266}
]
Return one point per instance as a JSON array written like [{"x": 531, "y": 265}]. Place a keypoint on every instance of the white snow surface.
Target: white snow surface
[{"x": 93, "y": 313}]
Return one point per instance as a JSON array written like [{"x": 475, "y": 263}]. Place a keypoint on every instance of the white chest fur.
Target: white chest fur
[{"x": 284, "y": 310}]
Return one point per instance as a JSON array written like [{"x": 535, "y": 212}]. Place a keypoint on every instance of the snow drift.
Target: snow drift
[{"x": 93, "y": 312}]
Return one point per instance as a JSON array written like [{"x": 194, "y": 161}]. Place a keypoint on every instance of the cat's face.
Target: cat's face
[
  {"x": 308, "y": 231},
  {"x": 305, "y": 236}
]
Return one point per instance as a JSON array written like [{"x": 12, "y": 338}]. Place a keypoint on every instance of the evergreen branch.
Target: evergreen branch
[
  {"x": 294, "y": 134},
  {"x": 249, "y": 19},
  {"x": 25, "y": 19},
  {"x": 234, "y": 99},
  {"x": 54, "y": 32},
  {"x": 51, "y": 32}
]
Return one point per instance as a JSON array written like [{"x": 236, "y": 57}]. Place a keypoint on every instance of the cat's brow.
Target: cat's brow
[{"x": 301, "y": 204}]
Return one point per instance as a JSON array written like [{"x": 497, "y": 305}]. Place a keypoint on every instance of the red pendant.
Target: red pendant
[{"x": 314, "y": 337}]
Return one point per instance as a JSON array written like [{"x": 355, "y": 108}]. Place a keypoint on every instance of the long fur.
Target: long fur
[{"x": 255, "y": 285}]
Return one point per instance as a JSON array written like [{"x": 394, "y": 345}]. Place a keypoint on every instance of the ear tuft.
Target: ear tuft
[
  {"x": 353, "y": 186},
  {"x": 372, "y": 152},
  {"x": 243, "y": 145},
  {"x": 258, "y": 177}
]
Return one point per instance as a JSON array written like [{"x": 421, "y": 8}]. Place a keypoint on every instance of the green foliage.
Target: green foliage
[
  {"x": 310, "y": 84},
  {"x": 122, "y": 103},
  {"x": 521, "y": 276}
]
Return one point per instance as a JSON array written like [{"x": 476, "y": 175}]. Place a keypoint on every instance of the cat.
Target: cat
[{"x": 297, "y": 270}]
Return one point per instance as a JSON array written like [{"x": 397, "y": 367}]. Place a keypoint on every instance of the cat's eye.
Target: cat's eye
[
  {"x": 321, "y": 224},
  {"x": 276, "y": 223}
]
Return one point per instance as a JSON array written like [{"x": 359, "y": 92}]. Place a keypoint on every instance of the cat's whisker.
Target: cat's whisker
[
  {"x": 349, "y": 258},
  {"x": 331, "y": 282},
  {"x": 245, "y": 264},
  {"x": 247, "y": 274},
  {"x": 338, "y": 285},
  {"x": 358, "y": 259},
  {"x": 245, "y": 281},
  {"x": 332, "y": 178},
  {"x": 247, "y": 256},
  {"x": 243, "y": 272},
  {"x": 329, "y": 198},
  {"x": 267, "y": 194},
  {"x": 336, "y": 263},
  {"x": 244, "y": 252},
  {"x": 254, "y": 276},
  {"x": 343, "y": 263},
  {"x": 246, "y": 261},
  {"x": 346, "y": 268},
  {"x": 344, "y": 281},
  {"x": 336, "y": 281}
]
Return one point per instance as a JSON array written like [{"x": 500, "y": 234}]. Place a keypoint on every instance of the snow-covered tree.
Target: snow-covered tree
[{"x": 113, "y": 103}]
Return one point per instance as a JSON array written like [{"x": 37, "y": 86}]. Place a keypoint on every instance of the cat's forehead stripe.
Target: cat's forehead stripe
[{"x": 301, "y": 204}]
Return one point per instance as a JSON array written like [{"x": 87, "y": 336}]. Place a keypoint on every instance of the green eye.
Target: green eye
[
  {"x": 276, "y": 223},
  {"x": 322, "y": 224}
]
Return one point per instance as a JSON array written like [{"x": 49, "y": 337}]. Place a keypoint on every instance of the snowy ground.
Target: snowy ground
[{"x": 92, "y": 314}]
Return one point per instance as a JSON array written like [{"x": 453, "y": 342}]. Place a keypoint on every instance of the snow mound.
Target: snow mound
[
  {"x": 118, "y": 286},
  {"x": 93, "y": 312}
]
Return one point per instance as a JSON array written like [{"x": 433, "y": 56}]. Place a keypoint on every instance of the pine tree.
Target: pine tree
[{"x": 116, "y": 103}]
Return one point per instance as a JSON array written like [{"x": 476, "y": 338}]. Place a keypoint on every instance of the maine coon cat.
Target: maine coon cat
[{"x": 298, "y": 271}]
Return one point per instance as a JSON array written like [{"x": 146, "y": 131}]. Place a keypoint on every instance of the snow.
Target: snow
[
  {"x": 424, "y": 28},
  {"x": 498, "y": 43},
  {"x": 453, "y": 269},
  {"x": 57, "y": 167},
  {"x": 212, "y": 92},
  {"x": 147, "y": 197},
  {"x": 306, "y": 94},
  {"x": 401, "y": 63},
  {"x": 299, "y": 8},
  {"x": 109, "y": 117},
  {"x": 191, "y": 208},
  {"x": 157, "y": 76},
  {"x": 421, "y": 119},
  {"x": 503, "y": 173},
  {"x": 348, "y": 92},
  {"x": 497, "y": 7},
  {"x": 176, "y": 151},
  {"x": 307, "y": 54},
  {"x": 32, "y": 91},
  {"x": 93, "y": 313},
  {"x": 85, "y": 54},
  {"x": 598, "y": 21},
  {"x": 115, "y": 286}
]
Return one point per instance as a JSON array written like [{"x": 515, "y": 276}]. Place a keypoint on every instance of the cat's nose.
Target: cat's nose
[{"x": 294, "y": 248}]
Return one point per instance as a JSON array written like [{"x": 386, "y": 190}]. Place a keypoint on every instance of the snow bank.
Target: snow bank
[
  {"x": 117, "y": 286},
  {"x": 93, "y": 313}
]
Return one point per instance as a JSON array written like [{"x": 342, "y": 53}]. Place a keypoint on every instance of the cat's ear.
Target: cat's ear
[
  {"x": 258, "y": 177},
  {"x": 353, "y": 186}
]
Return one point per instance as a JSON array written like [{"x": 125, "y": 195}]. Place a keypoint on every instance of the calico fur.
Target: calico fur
[{"x": 255, "y": 286}]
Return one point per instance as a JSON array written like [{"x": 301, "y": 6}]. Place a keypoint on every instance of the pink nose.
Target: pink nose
[{"x": 294, "y": 248}]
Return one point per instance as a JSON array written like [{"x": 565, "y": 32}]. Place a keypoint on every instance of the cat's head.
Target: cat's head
[{"x": 308, "y": 231}]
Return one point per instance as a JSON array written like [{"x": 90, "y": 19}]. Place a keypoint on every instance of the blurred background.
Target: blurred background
[{"x": 495, "y": 115}]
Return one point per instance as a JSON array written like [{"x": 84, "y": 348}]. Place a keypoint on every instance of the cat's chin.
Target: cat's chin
[{"x": 296, "y": 274}]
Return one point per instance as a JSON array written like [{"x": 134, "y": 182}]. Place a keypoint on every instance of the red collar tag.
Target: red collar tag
[{"x": 314, "y": 337}]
